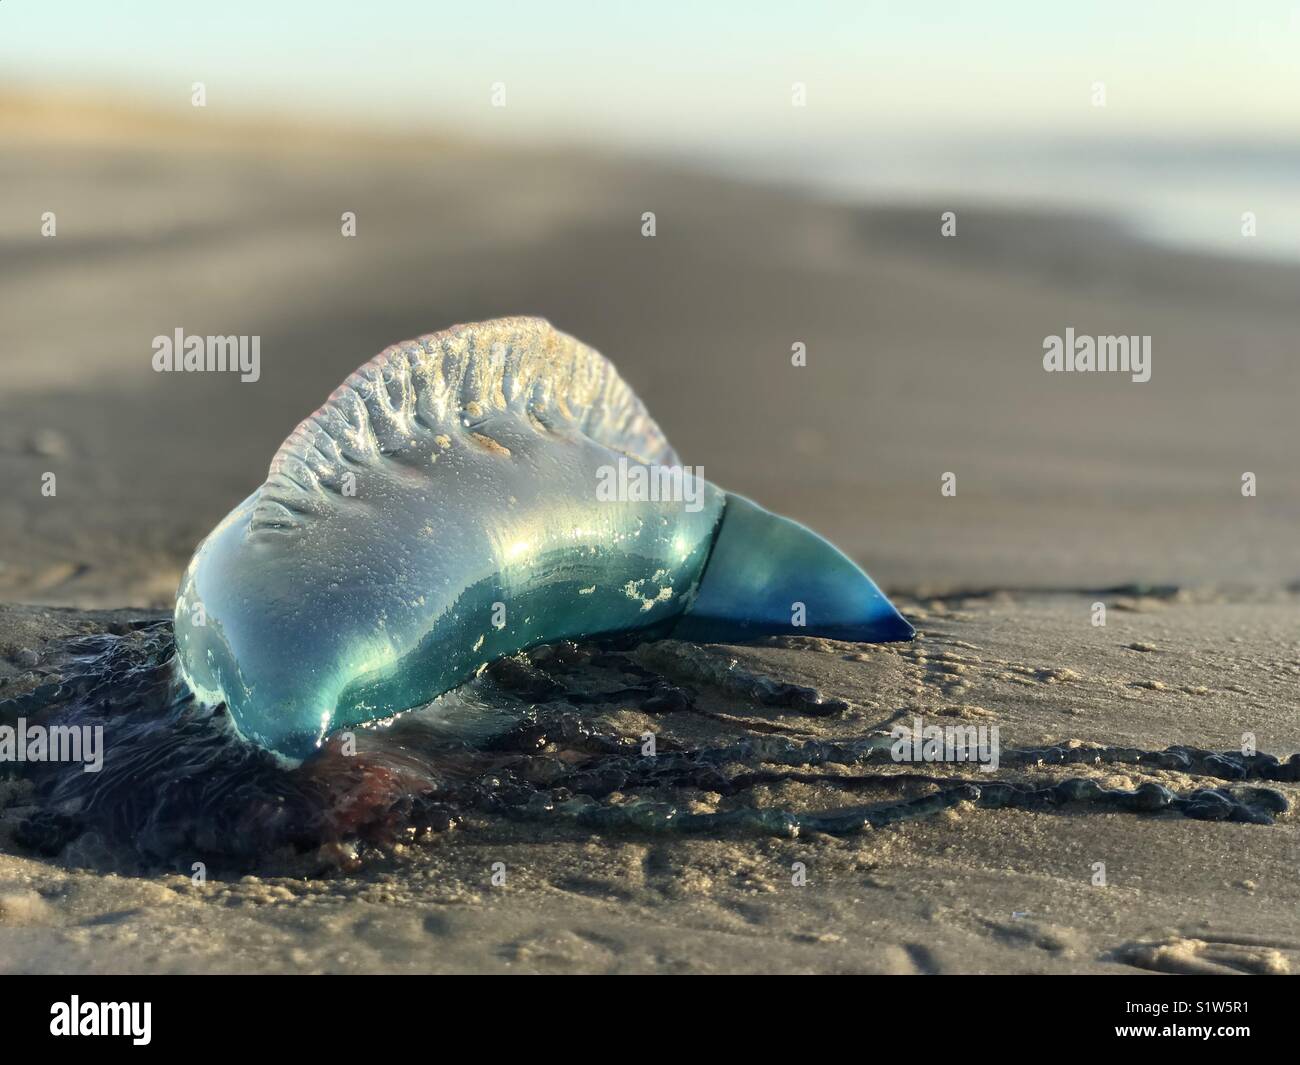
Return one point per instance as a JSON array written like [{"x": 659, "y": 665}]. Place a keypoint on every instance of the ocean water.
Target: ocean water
[{"x": 1187, "y": 194}]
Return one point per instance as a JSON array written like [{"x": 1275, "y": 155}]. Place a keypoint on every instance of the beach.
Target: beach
[{"x": 924, "y": 369}]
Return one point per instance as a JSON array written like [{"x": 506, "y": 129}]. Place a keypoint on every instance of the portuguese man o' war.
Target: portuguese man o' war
[{"x": 449, "y": 506}]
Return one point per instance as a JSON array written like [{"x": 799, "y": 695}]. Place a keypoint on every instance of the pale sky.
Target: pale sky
[{"x": 686, "y": 75}]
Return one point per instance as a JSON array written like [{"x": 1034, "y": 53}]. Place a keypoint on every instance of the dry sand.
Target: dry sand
[{"x": 923, "y": 357}]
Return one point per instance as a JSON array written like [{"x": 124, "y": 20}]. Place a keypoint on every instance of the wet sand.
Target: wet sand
[
  {"x": 970, "y": 890},
  {"x": 924, "y": 357}
]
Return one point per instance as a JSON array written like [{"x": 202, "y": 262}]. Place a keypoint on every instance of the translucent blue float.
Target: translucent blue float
[{"x": 462, "y": 497}]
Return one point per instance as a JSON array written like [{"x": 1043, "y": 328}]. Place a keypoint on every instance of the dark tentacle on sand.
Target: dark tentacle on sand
[{"x": 178, "y": 785}]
